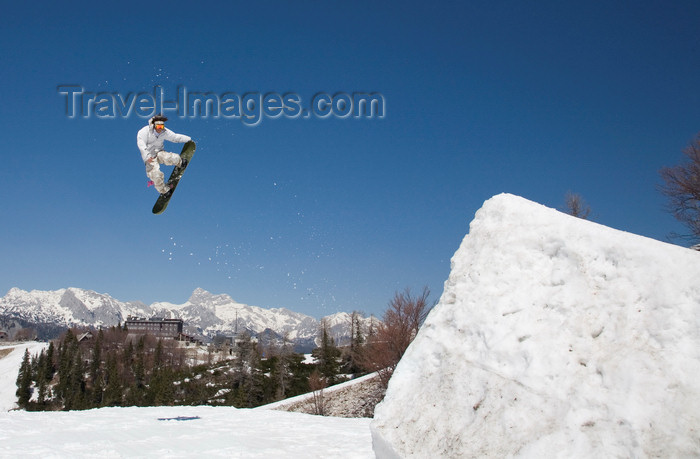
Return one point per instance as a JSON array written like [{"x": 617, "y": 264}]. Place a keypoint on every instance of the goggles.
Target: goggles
[{"x": 159, "y": 126}]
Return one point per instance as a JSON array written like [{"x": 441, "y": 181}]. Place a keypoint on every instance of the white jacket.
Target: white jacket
[{"x": 150, "y": 142}]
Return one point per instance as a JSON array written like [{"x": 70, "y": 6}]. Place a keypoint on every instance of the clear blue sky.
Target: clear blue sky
[{"x": 320, "y": 215}]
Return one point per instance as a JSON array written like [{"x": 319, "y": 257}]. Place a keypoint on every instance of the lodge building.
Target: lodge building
[{"x": 156, "y": 326}]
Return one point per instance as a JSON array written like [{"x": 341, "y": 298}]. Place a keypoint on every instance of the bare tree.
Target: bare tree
[
  {"x": 351, "y": 355},
  {"x": 25, "y": 334},
  {"x": 317, "y": 383},
  {"x": 682, "y": 188},
  {"x": 575, "y": 205},
  {"x": 400, "y": 324}
]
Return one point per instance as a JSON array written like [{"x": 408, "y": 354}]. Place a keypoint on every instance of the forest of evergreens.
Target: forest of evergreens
[
  {"x": 113, "y": 368},
  {"x": 86, "y": 369}
]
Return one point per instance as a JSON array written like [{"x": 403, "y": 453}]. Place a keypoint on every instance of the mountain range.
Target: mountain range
[{"x": 205, "y": 315}]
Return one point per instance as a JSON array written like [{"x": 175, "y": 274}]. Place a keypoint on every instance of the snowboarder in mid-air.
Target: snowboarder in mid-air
[{"x": 150, "y": 141}]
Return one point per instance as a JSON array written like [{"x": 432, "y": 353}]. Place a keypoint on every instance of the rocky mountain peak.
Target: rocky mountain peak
[{"x": 205, "y": 314}]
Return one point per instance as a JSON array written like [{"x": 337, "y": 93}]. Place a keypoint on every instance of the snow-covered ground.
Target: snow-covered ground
[
  {"x": 182, "y": 432},
  {"x": 554, "y": 337},
  {"x": 170, "y": 431},
  {"x": 9, "y": 368}
]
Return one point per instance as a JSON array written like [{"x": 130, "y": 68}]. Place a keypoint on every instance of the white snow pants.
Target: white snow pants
[{"x": 153, "y": 168}]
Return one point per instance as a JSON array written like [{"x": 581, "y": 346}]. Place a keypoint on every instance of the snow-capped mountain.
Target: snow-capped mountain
[
  {"x": 204, "y": 314},
  {"x": 71, "y": 306},
  {"x": 220, "y": 314}
]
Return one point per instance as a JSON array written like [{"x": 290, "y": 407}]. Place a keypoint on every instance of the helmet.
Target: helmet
[{"x": 158, "y": 122}]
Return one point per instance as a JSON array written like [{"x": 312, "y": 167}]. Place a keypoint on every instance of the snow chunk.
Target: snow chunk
[{"x": 554, "y": 336}]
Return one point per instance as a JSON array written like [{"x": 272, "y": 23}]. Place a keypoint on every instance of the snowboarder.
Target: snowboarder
[{"x": 150, "y": 141}]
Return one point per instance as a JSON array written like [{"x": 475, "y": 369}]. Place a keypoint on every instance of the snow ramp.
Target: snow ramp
[{"x": 554, "y": 337}]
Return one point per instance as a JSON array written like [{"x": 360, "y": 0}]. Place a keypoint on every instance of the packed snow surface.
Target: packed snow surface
[
  {"x": 554, "y": 337},
  {"x": 182, "y": 431}
]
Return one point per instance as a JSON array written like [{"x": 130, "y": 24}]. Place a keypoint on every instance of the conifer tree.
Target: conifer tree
[
  {"x": 68, "y": 349},
  {"x": 353, "y": 357},
  {"x": 50, "y": 369},
  {"x": 327, "y": 355},
  {"x": 41, "y": 381},
  {"x": 136, "y": 395},
  {"x": 140, "y": 364},
  {"x": 158, "y": 356},
  {"x": 96, "y": 373},
  {"x": 76, "y": 396},
  {"x": 160, "y": 390},
  {"x": 113, "y": 387},
  {"x": 128, "y": 363},
  {"x": 24, "y": 381},
  {"x": 299, "y": 372},
  {"x": 248, "y": 378}
]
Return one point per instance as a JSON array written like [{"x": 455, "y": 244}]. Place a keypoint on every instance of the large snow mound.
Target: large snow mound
[{"x": 554, "y": 337}]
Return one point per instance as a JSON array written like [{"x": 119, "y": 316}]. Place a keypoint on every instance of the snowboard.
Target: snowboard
[{"x": 175, "y": 176}]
